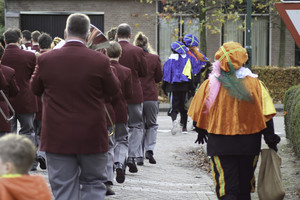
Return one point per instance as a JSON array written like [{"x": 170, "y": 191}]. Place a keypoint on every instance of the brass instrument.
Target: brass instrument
[
  {"x": 7, "y": 119},
  {"x": 97, "y": 41}
]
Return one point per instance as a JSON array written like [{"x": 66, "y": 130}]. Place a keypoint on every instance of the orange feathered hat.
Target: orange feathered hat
[{"x": 231, "y": 53}]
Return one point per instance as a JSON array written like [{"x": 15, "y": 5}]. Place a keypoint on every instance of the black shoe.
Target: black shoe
[
  {"x": 33, "y": 169},
  {"x": 42, "y": 162},
  {"x": 140, "y": 161},
  {"x": 120, "y": 178},
  {"x": 131, "y": 164},
  {"x": 149, "y": 155},
  {"x": 109, "y": 191}
]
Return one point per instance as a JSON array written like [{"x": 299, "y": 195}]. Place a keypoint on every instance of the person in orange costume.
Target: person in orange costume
[
  {"x": 17, "y": 154},
  {"x": 232, "y": 110}
]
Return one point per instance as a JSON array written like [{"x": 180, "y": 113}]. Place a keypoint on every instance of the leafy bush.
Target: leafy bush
[
  {"x": 278, "y": 80},
  {"x": 292, "y": 116}
]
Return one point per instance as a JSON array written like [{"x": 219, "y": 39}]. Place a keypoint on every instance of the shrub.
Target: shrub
[
  {"x": 292, "y": 116},
  {"x": 278, "y": 80}
]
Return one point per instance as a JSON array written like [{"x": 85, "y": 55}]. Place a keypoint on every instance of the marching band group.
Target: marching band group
[{"x": 90, "y": 105}]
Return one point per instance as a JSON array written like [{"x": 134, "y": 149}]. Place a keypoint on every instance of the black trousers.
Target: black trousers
[
  {"x": 177, "y": 101},
  {"x": 233, "y": 176}
]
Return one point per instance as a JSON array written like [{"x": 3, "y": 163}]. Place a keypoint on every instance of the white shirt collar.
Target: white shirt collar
[{"x": 75, "y": 41}]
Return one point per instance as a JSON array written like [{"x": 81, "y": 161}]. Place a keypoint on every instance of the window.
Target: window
[
  {"x": 170, "y": 30},
  {"x": 232, "y": 31}
]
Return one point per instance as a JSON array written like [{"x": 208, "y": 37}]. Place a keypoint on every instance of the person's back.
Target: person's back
[
  {"x": 72, "y": 76},
  {"x": 154, "y": 75},
  {"x": 134, "y": 58},
  {"x": 74, "y": 82},
  {"x": 26, "y": 40},
  {"x": 124, "y": 75},
  {"x": 24, "y": 65},
  {"x": 10, "y": 89},
  {"x": 35, "y": 42},
  {"x": 150, "y": 99},
  {"x": 232, "y": 110},
  {"x": 16, "y": 157},
  {"x": 24, "y": 104}
]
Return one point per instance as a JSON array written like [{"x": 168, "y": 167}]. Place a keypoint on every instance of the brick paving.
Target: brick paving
[{"x": 174, "y": 177}]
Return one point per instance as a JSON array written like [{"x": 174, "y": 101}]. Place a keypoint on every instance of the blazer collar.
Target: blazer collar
[
  {"x": 12, "y": 46},
  {"x": 114, "y": 62},
  {"x": 74, "y": 43},
  {"x": 124, "y": 41}
]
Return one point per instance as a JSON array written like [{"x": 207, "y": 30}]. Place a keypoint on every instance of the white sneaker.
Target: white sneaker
[{"x": 175, "y": 128}]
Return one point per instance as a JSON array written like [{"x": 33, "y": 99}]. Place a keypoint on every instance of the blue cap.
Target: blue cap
[
  {"x": 190, "y": 40},
  {"x": 179, "y": 47}
]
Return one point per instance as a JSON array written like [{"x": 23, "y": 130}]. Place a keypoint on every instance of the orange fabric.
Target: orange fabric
[
  {"x": 229, "y": 116},
  {"x": 237, "y": 54},
  {"x": 199, "y": 55},
  {"x": 26, "y": 187}
]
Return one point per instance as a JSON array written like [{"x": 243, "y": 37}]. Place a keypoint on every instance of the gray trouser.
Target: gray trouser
[
  {"x": 150, "y": 112},
  {"x": 26, "y": 123},
  {"x": 135, "y": 125},
  {"x": 121, "y": 143},
  {"x": 26, "y": 127},
  {"x": 37, "y": 124},
  {"x": 77, "y": 176},
  {"x": 110, "y": 158}
]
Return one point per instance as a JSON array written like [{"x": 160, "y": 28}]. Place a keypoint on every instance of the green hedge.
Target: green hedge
[
  {"x": 278, "y": 80},
  {"x": 292, "y": 117}
]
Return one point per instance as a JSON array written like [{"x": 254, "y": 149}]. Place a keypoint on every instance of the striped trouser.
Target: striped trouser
[{"x": 233, "y": 176}]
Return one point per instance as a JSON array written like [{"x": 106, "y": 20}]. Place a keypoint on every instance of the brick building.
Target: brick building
[{"x": 50, "y": 16}]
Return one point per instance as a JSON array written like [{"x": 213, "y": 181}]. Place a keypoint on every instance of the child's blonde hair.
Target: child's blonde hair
[
  {"x": 141, "y": 40},
  {"x": 111, "y": 34},
  {"x": 19, "y": 151}
]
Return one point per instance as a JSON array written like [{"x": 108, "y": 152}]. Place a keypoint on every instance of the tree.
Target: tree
[
  {"x": 2, "y": 20},
  {"x": 213, "y": 14}
]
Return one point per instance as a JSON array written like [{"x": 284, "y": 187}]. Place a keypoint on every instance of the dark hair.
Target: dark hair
[
  {"x": 111, "y": 34},
  {"x": 78, "y": 25},
  {"x": 35, "y": 35},
  {"x": 26, "y": 34},
  {"x": 12, "y": 35},
  {"x": 114, "y": 50},
  {"x": 1, "y": 50},
  {"x": 123, "y": 31},
  {"x": 45, "y": 41}
]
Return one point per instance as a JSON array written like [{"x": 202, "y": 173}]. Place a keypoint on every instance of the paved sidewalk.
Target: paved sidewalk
[{"x": 173, "y": 177}]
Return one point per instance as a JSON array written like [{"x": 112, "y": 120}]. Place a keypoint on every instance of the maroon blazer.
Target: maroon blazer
[
  {"x": 26, "y": 46},
  {"x": 154, "y": 75},
  {"x": 23, "y": 62},
  {"x": 74, "y": 81},
  {"x": 36, "y": 48},
  {"x": 134, "y": 58},
  {"x": 120, "y": 107},
  {"x": 111, "y": 112},
  {"x": 3, "y": 82},
  {"x": 11, "y": 89},
  {"x": 109, "y": 104},
  {"x": 38, "y": 114}
]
